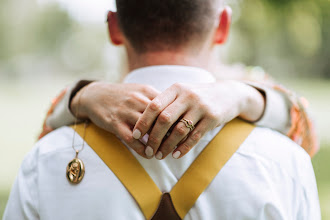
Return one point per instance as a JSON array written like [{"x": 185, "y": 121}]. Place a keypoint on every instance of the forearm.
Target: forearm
[
  {"x": 286, "y": 113},
  {"x": 59, "y": 113},
  {"x": 78, "y": 105},
  {"x": 276, "y": 112},
  {"x": 254, "y": 104},
  {"x": 62, "y": 114}
]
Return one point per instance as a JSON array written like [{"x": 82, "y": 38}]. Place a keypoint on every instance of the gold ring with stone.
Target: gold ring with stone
[{"x": 188, "y": 123}]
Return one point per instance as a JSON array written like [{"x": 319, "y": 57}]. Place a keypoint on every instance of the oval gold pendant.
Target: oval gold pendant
[{"x": 75, "y": 171}]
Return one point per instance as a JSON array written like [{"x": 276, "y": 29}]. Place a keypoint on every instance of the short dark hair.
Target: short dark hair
[{"x": 153, "y": 25}]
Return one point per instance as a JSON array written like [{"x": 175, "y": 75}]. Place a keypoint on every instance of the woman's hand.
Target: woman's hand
[
  {"x": 206, "y": 105},
  {"x": 115, "y": 108}
]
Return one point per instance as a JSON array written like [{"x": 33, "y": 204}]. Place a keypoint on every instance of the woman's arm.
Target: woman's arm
[
  {"x": 285, "y": 111},
  {"x": 59, "y": 114},
  {"x": 301, "y": 129},
  {"x": 280, "y": 113}
]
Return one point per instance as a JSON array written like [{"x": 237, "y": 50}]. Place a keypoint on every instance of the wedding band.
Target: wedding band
[{"x": 188, "y": 123}]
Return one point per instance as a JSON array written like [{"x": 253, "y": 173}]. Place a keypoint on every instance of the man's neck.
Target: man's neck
[{"x": 136, "y": 61}]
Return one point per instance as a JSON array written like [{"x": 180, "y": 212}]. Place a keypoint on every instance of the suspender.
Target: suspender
[{"x": 187, "y": 190}]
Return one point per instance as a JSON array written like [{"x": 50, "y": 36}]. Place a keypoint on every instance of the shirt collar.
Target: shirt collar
[{"x": 163, "y": 76}]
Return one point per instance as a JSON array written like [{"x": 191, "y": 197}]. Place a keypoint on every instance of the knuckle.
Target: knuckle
[
  {"x": 128, "y": 139},
  {"x": 179, "y": 86},
  {"x": 165, "y": 118},
  {"x": 196, "y": 136},
  {"x": 153, "y": 141},
  {"x": 139, "y": 150},
  {"x": 148, "y": 89},
  {"x": 143, "y": 124},
  {"x": 155, "y": 105},
  {"x": 204, "y": 107},
  {"x": 134, "y": 96},
  {"x": 185, "y": 147},
  {"x": 191, "y": 95},
  {"x": 213, "y": 116},
  {"x": 181, "y": 130},
  {"x": 114, "y": 127},
  {"x": 108, "y": 120},
  {"x": 127, "y": 101}
]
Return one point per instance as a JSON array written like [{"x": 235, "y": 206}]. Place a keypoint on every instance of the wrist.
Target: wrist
[
  {"x": 78, "y": 103},
  {"x": 253, "y": 106},
  {"x": 73, "y": 100}
]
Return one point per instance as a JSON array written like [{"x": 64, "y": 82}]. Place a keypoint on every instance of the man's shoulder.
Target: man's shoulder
[
  {"x": 54, "y": 143},
  {"x": 58, "y": 140},
  {"x": 272, "y": 148},
  {"x": 274, "y": 144}
]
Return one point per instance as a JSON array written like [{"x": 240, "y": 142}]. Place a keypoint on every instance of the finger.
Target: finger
[
  {"x": 131, "y": 118},
  {"x": 125, "y": 134},
  {"x": 137, "y": 102},
  {"x": 164, "y": 122},
  {"x": 155, "y": 107},
  {"x": 194, "y": 137},
  {"x": 179, "y": 132},
  {"x": 150, "y": 91}
]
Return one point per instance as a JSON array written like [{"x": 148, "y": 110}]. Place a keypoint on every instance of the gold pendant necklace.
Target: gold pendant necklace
[{"x": 75, "y": 170}]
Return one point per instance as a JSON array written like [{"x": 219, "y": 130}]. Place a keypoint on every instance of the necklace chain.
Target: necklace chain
[
  {"x": 74, "y": 135},
  {"x": 75, "y": 127}
]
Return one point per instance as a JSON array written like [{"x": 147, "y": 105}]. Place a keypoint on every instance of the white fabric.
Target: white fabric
[
  {"x": 269, "y": 177},
  {"x": 277, "y": 110},
  {"x": 62, "y": 115}
]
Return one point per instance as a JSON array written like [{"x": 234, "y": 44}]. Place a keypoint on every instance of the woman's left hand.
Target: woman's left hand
[{"x": 205, "y": 105}]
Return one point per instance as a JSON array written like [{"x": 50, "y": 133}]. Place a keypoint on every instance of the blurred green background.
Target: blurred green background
[{"x": 47, "y": 44}]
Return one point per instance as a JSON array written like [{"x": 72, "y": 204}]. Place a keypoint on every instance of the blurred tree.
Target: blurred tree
[
  {"x": 51, "y": 28},
  {"x": 284, "y": 36}
]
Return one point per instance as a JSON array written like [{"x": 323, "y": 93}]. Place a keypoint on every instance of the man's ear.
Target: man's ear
[
  {"x": 115, "y": 33},
  {"x": 223, "y": 28}
]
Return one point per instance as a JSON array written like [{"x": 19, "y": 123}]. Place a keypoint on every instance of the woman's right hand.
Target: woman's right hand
[{"x": 115, "y": 108}]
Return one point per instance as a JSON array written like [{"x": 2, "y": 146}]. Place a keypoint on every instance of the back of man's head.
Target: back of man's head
[{"x": 156, "y": 25}]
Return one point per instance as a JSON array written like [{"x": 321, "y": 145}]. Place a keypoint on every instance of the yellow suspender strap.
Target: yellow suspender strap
[
  {"x": 185, "y": 193},
  {"x": 125, "y": 166},
  {"x": 208, "y": 164}
]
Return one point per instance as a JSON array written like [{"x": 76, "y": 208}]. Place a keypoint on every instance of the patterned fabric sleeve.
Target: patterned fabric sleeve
[
  {"x": 46, "y": 128},
  {"x": 59, "y": 113},
  {"x": 302, "y": 129}
]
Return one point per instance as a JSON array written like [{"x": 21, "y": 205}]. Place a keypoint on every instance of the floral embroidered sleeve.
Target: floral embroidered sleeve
[{"x": 301, "y": 129}]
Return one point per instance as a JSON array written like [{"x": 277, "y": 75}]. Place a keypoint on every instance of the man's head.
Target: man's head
[{"x": 168, "y": 25}]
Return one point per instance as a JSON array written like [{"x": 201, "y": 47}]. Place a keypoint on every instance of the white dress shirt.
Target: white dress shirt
[{"x": 269, "y": 177}]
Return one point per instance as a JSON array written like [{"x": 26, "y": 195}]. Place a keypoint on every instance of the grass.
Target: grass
[
  {"x": 3, "y": 200},
  {"x": 321, "y": 163}
]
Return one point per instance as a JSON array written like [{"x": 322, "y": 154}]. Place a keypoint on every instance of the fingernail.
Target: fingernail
[
  {"x": 136, "y": 134},
  {"x": 159, "y": 155},
  {"x": 149, "y": 152},
  {"x": 176, "y": 155}
]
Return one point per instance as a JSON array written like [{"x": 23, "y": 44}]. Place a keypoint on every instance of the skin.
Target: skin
[
  {"x": 115, "y": 108},
  {"x": 140, "y": 109}
]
